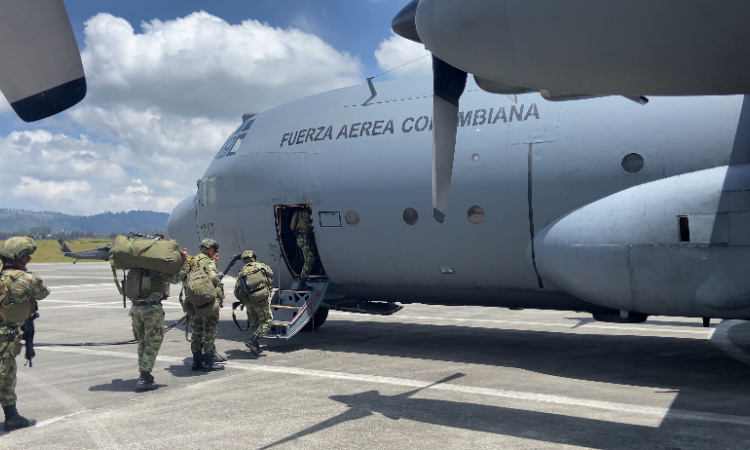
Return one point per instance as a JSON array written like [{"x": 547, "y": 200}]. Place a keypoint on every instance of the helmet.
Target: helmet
[
  {"x": 18, "y": 247},
  {"x": 247, "y": 255},
  {"x": 208, "y": 243}
]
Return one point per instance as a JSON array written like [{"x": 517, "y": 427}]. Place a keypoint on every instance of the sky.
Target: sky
[{"x": 168, "y": 81}]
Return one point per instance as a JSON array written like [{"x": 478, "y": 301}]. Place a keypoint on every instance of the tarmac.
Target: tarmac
[{"x": 427, "y": 377}]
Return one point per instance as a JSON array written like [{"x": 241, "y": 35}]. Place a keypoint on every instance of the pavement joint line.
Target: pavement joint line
[
  {"x": 664, "y": 413},
  {"x": 565, "y": 325}
]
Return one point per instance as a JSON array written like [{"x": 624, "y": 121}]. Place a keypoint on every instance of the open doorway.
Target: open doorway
[{"x": 288, "y": 240}]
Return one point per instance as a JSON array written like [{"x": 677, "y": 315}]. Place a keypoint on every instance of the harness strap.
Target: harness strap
[{"x": 241, "y": 306}]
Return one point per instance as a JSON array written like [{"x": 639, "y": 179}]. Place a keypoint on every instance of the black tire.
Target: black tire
[{"x": 319, "y": 318}]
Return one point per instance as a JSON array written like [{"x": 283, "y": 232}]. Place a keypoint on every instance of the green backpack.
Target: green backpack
[
  {"x": 200, "y": 292},
  {"x": 139, "y": 283}
]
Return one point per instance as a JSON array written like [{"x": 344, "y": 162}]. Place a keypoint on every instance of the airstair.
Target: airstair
[{"x": 293, "y": 309}]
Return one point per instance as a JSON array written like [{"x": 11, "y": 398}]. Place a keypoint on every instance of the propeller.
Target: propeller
[
  {"x": 448, "y": 85},
  {"x": 40, "y": 67}
]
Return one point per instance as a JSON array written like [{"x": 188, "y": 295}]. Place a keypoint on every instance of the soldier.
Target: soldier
[
  {"x": 254, "y": 284},
  {"x": 24, "y": 289},
  {"x": 302, "y": 224},
  {"x": 202, "y": 343},
  {"x": 147, "y": 317}
]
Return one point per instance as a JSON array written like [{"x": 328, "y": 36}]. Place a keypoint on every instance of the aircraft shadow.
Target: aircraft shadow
[
  {"x": 539, "y": 426},
  {"x": 707, "y": 379}
]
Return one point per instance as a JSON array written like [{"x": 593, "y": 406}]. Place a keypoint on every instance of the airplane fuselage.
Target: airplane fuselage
[{"x": 527, "y": 165}]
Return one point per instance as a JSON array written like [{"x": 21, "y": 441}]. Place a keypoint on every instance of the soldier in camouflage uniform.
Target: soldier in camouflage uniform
[
  {"x": 253, "y": 287},
  {"x": 205, "y": 328},
  {"x": 302, "y": 224},
  {"x": 147, "y": 317},
  {"x": 23, "y": 290}
]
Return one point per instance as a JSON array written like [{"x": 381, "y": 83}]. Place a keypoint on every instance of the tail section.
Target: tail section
[{"x": 64, "y": 247}]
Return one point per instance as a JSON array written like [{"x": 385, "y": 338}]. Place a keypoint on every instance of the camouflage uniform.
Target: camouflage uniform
[
  {"x": 26, "y": 288},
  {"x": 205, "y": 328},
  {"x": 257, "y": 304},
  {"x": 148, "y": 322},
  {"x": 302, "y": 224}
]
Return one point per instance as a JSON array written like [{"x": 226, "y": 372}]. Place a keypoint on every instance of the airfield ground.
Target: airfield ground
[{"x": 511, "y": 379}]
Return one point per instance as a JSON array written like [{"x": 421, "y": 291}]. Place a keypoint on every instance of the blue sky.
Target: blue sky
[{"x": 168, "y": 82}]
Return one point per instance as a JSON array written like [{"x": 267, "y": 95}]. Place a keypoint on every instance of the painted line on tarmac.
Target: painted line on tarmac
[
  {"x": 74, "y": 286},
  {"x": 663, "y": 413},
  {"x": 705, "y": 333},
  {"x": 57, "y": 419},
  {"x": 720, "y": 339}
]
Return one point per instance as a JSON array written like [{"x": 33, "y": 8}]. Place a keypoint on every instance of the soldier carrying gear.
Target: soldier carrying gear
[
  {"x": 146, "y": 289},
  {"x": 205, "y": 328},
  {"x": 302, "y": 224},
  {"x": 253, "y": 289},
  {"x": 19, "y": 292}
]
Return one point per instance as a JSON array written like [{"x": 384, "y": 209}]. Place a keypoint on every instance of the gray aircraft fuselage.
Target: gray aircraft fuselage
[{"x": 604, "y": 237}]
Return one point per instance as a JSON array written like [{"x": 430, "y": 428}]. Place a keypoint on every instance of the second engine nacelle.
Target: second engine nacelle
[{"x": 677, "y": 246}]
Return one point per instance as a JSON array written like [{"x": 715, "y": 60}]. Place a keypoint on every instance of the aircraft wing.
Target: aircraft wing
[{"x": 41, "y": 73}]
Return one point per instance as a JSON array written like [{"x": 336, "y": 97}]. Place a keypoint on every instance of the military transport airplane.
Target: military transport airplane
[
  {"x": 573, "y": 49},
  {"x": 602, "y": 205}
]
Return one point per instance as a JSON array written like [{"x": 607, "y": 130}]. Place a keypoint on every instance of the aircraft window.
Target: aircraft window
[
  {"x": 632, "y": 163},
  {"x": 352, "y": 217},
  {"x": 475, "y": 214},
  {"x": 684, "y": 227},
  {"x": 475, "y": 157},
  {"x": 411, "y": 216},
  {"x": 204, "y": 191},
  {"x": 211, "y": 191}
]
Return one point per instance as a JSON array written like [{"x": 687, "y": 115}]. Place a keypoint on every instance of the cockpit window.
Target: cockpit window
[{"x": 235, "y": 140}]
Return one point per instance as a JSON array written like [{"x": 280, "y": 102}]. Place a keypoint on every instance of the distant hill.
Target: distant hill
[{"x": 19, "y": 219}]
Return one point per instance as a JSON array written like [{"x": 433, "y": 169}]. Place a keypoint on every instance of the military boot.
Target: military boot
[
  {"x": 303, "y": 286},
  {"x": 197, "y": 361},
  {"x": 218, "y": 357},
  {"x": 253, "y": 345},
  {"x": 145, "y": 383},
  {"x": 209, "y": 364},
  {"x": 14, "y": 421}
]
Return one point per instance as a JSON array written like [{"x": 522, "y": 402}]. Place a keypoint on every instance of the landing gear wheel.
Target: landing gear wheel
[{"x": 319, "y": 318}]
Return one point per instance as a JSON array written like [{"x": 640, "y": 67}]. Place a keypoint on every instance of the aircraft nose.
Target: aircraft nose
[
  {"x": 181, "y": 225},
  {"x": 405, "y": 22}
]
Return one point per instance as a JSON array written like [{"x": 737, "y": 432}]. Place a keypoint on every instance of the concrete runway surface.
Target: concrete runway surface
[{"x": 427, "y": 377}]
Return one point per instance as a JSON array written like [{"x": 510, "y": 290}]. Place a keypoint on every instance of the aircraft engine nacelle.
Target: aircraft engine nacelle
[
  {"x": 606, "y": 47},
  {"x": 677, "y": 246},
  {"x": 182, "y": 225}
]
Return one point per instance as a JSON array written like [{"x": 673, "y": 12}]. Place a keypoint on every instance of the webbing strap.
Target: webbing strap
[
  {"x": 241, "y": 306},
  {"x": 114, "y": 275}
]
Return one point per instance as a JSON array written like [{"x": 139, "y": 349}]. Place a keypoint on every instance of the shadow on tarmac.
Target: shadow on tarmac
[
  {"x": 117, "y": 385},
  {"x": 707, "y": 379}
]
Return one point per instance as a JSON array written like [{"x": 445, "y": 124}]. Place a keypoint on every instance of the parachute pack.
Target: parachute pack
[
  {"x": 200, "y": 292},
  {"x": 139, "y": 283},
  {"x": 254, "y": 281}
]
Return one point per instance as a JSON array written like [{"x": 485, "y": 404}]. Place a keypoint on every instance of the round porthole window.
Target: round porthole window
[
  {"x": 352, "y": 217},
  {"x": 632, "y": 163},
  {"x": 410, "y": 216},
  {"x": 475, "y": 214}
]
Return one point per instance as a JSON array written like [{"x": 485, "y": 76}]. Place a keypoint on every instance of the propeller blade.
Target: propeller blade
[
  {"x": 405, "y": 22},
  {"x": 40, "y": 67},
  {"x": 449, "y": 84}
]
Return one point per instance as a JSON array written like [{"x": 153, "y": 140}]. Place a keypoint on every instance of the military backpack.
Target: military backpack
[
  {"x": 200, "y": 292},
  {"x": 139, "y": 283},
  {"x": 254, "y": 280}
]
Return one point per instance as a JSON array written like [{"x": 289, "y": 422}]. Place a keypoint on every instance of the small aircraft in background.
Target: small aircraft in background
[{"x": 101, "y": 253}]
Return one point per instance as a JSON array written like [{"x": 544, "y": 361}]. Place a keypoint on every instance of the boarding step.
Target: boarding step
[{"x": 294, "y": 308}]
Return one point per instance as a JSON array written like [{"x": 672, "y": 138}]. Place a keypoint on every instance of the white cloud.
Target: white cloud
[
  {"x": 395, "y": 51},
  {"x": 160, "y": 104}
]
